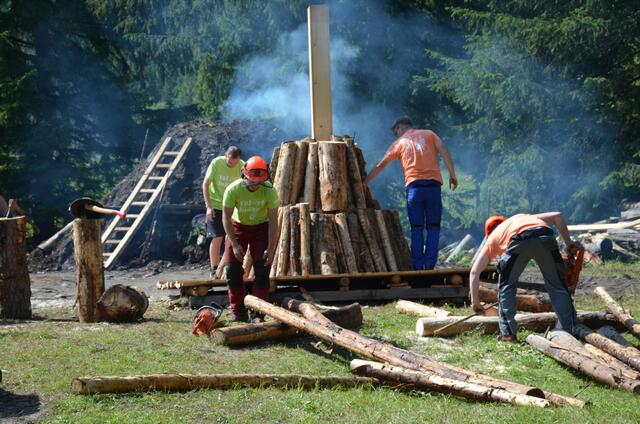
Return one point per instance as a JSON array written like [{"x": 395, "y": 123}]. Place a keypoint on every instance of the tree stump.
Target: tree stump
[
  {"x": 334, "y": 184},
  {"x": 87, "y": 252},
  {"x": 15, "y": 286}
]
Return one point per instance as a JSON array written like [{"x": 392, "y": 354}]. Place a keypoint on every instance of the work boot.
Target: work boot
[
  {"x": 256, "y": 317},
  {"x": 508, "y": 338},
  {"x": 241, "y": 317}
]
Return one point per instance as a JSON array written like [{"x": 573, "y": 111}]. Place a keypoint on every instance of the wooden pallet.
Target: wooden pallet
[{"x": 148, "y": 189}]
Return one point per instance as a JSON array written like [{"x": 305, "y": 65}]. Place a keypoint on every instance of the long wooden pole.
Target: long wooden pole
[
  {"x": 315, "y": 324},
  {"x": 183, "y": 382},
  {"x": 434, "y": 382},
  {"x": 417, "y": 309},
  {"x": 618, "y": 311},
  {"x": 627, "y": 354},
  {"x": 320, "y": 72}
]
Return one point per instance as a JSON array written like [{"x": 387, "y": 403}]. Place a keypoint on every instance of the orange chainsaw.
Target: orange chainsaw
[
  {"x": 573, "y": 262},
  {"x": 206, "y": 319}
]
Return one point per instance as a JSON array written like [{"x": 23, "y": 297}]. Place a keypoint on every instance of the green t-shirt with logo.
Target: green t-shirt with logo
[
  {"x": 221, "y": 175},
  {"x": 251, "y": 207}
]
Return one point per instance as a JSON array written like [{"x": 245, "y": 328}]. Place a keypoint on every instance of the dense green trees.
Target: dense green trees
[{"x": 538, "y": 99}]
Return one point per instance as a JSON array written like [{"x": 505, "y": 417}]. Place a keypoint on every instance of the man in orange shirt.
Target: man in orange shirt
[
  {"x": 516, "y": 241},
  {"x": 418, "y": 151}
]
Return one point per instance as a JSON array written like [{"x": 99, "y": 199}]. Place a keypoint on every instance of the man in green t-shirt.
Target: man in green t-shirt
[
  {"x": 221, "y": 172},
  {"x": 250, "y": 220}
]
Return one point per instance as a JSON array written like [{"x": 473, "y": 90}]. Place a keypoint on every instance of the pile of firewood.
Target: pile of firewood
[{"x": 329, "y": 223}]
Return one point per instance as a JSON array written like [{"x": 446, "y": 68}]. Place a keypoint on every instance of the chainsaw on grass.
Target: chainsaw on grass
[{"x": 206, "y": 318}]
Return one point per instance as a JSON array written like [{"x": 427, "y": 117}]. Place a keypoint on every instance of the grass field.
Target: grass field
[{"x": 39, "y": 360}]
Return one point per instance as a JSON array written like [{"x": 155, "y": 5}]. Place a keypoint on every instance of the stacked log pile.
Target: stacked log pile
[{"x": 328, "y": 221}]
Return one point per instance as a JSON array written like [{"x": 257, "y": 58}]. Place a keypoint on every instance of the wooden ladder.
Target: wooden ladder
[{"x": 118, "y": 234}]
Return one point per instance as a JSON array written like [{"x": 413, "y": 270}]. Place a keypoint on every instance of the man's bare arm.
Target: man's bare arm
[
  {"x": 555, "y": 218},
  {"x": 207, "y": 200},
  {"x": 474, "y": 279},
  {"x": 377, "y": 169},
  {"x": 448, "y": 161}
]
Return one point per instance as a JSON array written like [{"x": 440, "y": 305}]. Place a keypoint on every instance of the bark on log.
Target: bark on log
[
  {"x": 587, "y": 366},
  {"x": 311, "y": 177},
  {"x": 283, "y": 243},
  {"x": 340, "y": 255},
  {"x": 87, "y": 252},
  {"x": 342, "y": 228},
  {"x": 247, "y": 265},
  {"x": 395, "y": 238},
  {"x": 273, "y": 271},
  {"x": 371, "y": 202},
  {"x": 315, "y": 324},
  {"x": 623, "y": 316},
  {"x": 602, "y": 247},
  {"x": 524, "y": 302},
  {"x": 535, "y": 322},
  {"x": 306, "y": 263},
  {"x": 403, "y": 245},
  {"x": 386, "y": 242},
  {"x": 612, "y": 334},
  {"x": 360, "y": 248},
  {"x": 122, "y": 303},
  {"x": 333, "y": 176},
  {"x": 628, "y": 355},
  {"x": 355, "y": 176},
  {"x": 294, "y": 243},
  {"x": 417, "y": 309},
  {"x": 374, "y": 248},
  {"x": 273, "y": 165},
  {"x": 433, "y": 382},
  {"x": 324, "y": 244},
  {"x": 284, "y": 176},
  {"x": 349, "y": 316},
  {"x": 184, "y": 382},
  {"x": 299, "y": 171},
  {"x": 15, "y": 285}
]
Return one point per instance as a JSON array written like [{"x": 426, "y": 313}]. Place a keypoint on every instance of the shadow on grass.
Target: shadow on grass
[{"x": 13, "y": 405}]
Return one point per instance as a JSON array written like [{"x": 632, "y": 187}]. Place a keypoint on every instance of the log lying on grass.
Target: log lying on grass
[
  {"x": 433, "y": 382},
  {"x": 417, "y": 309},
  {"x": 524, "y": 302},
  {"x": 314, "y": 323},
  {"x": 183, "y": 382},
  {"x": 349, "y": 316},
  {"x": 535, "y": 322},
  {"x": 623, "y": 316},
  {"x": 627, "y": 354},
  {"x": 585, "y": 365}
]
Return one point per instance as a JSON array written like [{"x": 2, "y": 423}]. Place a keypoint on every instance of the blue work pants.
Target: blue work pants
[{"x": 424, "y": 209}]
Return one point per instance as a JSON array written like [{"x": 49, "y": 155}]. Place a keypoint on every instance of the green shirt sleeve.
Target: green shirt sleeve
[{"x": 229, "y": 199}]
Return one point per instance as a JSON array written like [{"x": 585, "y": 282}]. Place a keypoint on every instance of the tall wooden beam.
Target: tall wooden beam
[{"x": 320, "y": 72}]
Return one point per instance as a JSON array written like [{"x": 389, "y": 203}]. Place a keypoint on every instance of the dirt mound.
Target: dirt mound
[{"x": 167, "y": 228}]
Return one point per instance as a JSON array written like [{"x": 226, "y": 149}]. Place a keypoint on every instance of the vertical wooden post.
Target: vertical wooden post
[
  {"x": 87, "y": 252},
  {"x": 320, "y": 72},
  {"x": 15, "y": 286}
]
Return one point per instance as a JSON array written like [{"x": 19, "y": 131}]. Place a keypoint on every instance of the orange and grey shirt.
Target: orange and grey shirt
[
  {"x": 417, "y": 152},
  {"x": 499, "y": 239}
]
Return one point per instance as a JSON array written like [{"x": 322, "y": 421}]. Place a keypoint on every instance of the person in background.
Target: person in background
[
  {"x": 222, "y": 171},
  {"x": 250, "y": 220},
  {"x": 418, "y": 152},
  {"x": 517, "y": 240}
]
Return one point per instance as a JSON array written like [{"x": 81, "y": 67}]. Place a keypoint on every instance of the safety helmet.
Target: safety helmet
[
  {"x": 492, "y": 222},
  {"x": 256, "y": 170}
]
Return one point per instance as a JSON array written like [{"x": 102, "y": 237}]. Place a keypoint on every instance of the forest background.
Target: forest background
[{"x": 539, "y": 101}]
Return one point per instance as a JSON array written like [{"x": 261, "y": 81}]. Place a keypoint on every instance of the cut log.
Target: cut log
[
  {"x": 403, "y": 245},
  {"x": 311, "y": 177},
  {"x": 294, "y": 243},
  {"x": 612, "y": 334},
  {"x": 273, "y": 165},
  {"x": 417, "y": 309},
  {"x": 340, "y": 254},
  {"x": 332, "y": 169},
  {"x": 355, "y": 176},
  {"x": 312, "y": 322},
  {"x": 628, "y": 355},
  {"x": 283, "y": 243},
  {"x": 434, "y": 382},
  {"x": 247, "y": 265},
  {"x": 360, "y": 248},
  {"x": 374, "y": 248},
  {"x": 324, "y": 244},
  {"x": 386, "y": 242},
  {"x": 349, "y": 316},
  {"x": 122, "y": 303},
  {"x": 15, "y": 285},
  {"x": 87, "y": 252},
  {"x": 299, "y": 171},
  {"x": 273, "y": 271},
  {"x": 342, "y": 228},
  {"x": 306, "y": 263},
  {"x": 184, "y": 382},
  {"x": 602, "y": 247},
  {"x": 587, "y": 366},
  {"x": 524, "y": 302},
  {"x": 284, "y": 176},
  {"x": 621, "y": 315},
  {"x": 535, "y": 322}
]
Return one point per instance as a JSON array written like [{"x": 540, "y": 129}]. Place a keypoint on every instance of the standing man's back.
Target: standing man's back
[{"x": 418, "y": 152}]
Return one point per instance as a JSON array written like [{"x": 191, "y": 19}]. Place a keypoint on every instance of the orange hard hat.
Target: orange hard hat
[
  {"x": 492, "y": 222},
  {"x": 256, "y": 170}
]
